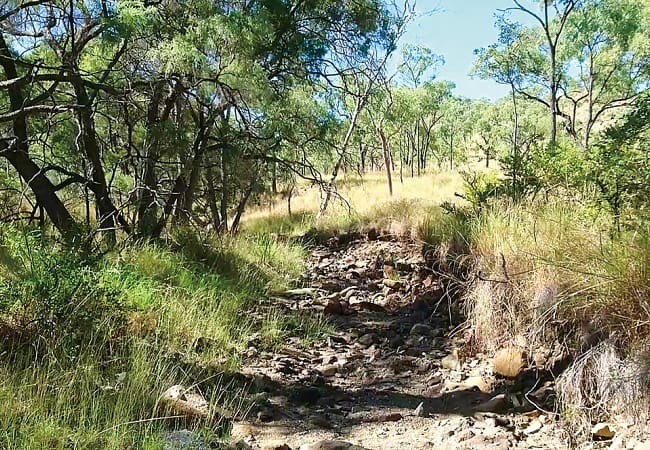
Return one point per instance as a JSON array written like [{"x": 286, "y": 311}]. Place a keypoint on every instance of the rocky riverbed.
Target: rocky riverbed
[{"x": 393, "y": 376}]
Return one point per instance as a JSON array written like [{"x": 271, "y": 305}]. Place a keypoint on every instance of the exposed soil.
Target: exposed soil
[{"x": 393, "y": 375}]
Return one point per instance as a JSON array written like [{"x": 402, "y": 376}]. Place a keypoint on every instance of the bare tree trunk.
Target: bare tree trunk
[
  {"x": 242, "y": 203},
  {"x": 147, "y": 205},
  {"x": 184, "y": 212},
  {"x": 172, "y": 202},
  {"x": 43, "y": 189},
  {"x": 553, "y": 99},
  {"x": 108, "y": 213},
  {"x": 451, "y": 152},
  {"x": 289, "y": 196},
  {"x": 387, "y": 160},
  {"x": 329, "y": 187},
  {"x": 274, "y": 177},
  {"x": 212, "y": 197},
  {"x": 223, "y": 172},
  {"x": 515, "y": 144},
  {"x": 147, "y": 202}
]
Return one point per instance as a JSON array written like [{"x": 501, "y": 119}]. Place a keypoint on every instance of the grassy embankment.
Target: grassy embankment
[
  {"x": 551, "y": 276},
  {"x": 88, "y": 345}
]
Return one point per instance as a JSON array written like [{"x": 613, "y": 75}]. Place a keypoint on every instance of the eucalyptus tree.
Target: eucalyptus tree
[
  {"x": 419, "y": 65},
  {"x": 45, "y": 46},
  {"x": 606, "y": 44},
  {"x": 620, "y": 167},
  {"x": 512, "y": 61},
  {"x": 455, "y": 128},
  {"x": 353, "y": 75},
  {"x": 488, "y": 128},
  {"x": 551, "y": 17},
  {"x": 170, "y": 110}
]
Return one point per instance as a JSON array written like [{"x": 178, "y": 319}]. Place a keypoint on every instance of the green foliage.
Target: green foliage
[
  {"x": 114, "y": 332},
  {"x": 56, "y": 290},
  {"x": 444, "y": 231},
  {"x": 619, "y": 162},
  {"x": 420, "y": 64},
  {"x": 480, "y": 187}
]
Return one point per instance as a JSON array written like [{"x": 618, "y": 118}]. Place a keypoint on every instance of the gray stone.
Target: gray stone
[
  {"x": 183, "y": 440},
  {"x": 496, "y": 404},
  {"x": 367, "y": 339},
  {"x": 451, "y": 362},
  {"x": 421, "y": 329},
  {"x": 331, "y": 445},
  {"x": 533, "y": 427}
]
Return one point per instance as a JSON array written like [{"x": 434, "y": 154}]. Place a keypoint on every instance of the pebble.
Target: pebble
[
  {"x": 421, "y": 329},
  {"x": 534, "y": 426},
  {"x": 331, "y": 445},
  {"x": 603, "y": 431},
  {"x": 367, "y": 339}
]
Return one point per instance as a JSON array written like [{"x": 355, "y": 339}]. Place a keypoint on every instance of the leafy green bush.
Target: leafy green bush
[
  {"x": 480, "y": 187},
  {"x": 58, "y": 290}
]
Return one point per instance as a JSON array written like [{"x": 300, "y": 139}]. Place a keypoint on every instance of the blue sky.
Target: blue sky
[{"x": 454, "y": 30}]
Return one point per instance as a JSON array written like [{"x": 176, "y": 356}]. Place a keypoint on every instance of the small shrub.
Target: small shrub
[
  {"x": 56, "y": 290},
  {"x": 479, "y": 188}
]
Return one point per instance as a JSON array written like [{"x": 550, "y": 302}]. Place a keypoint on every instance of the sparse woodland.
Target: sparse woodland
[{"x": 168, "y": 166}]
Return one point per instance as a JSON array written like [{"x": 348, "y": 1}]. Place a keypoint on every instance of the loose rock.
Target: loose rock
[
  {"x": 509, "y": 362},
  {"x": 451, "y": 362},
  {"x": 329, "y": 371},
  {"x": 603, "y": 431},
  {"x": 367, "y": 339},
  {"x": 331, "y": 445},
  {"x": 184, "y": 440},
  {"x": 334, "y": 307},
  {"x": 496, "y": 404},
  {"x": 392, "y": 284},
  {"x": 182, "y": 402},
  {"x": 533, "y": 427},
  {"x": 421, "y": 329}
]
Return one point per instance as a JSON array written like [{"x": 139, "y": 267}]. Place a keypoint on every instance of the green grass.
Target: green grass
[{"x": 131, "y": 325}]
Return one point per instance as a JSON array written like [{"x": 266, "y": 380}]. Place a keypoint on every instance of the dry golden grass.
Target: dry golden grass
[
  {"x": 550, "y": 263},
  {"x": 367, "y": 203},
  {"x": 553, "y": 278},
  {"x": 602, "y": 386}
]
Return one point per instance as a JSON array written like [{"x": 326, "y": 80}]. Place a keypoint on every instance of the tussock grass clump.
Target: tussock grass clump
[
  {"x": 603, "y": 386},
  {"x": 552, "y": 278},
  {"x": 88, "y": 345},
  {"x": 550, "y": 267}
]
